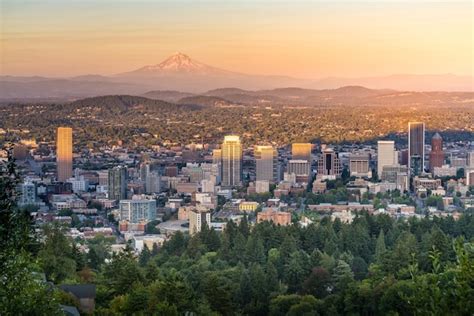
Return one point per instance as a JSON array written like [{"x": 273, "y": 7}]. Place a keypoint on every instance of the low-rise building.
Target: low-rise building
[{"x": 275, "y": 216}]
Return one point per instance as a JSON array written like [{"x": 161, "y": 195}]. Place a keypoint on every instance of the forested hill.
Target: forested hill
[{"x": 121, "y": 103}]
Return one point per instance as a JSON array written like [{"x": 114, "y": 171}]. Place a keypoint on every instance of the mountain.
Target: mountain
[
  {"x": 180, "y": 72},
  {"x": 404, "y": 82},
  {"x": 177, "y": 64},
  {"x": 348, "y": 95}
]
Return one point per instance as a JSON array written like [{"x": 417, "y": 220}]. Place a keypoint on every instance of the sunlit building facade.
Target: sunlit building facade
[
  {"x": 64, "y": 153},
  {"x": 301, "y": 151},
  {"x": 385, "y": 155},
  {"x": 416, "y": 147},
  {"x": 266, "y": 161},
  {"x": 231, "y": 161},
  {"x": 437, "y": 153}
]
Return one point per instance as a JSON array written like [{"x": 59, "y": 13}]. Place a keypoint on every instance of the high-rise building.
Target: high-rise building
[
  {"x": 416, "y": 147},
  {"x": 117, "y": 185},
  {"x": 136, "y": 211},
  {"x": 437, "y": 153},
  {"x": 64, "y": 153},
  {"x": 217, "y": 160},
  {"x": 470, "y": 159},
  {"x": 231, "y": 161},
  {"x": 359, "y": 165},
  {"x": 28, "y": 194},
  {"x": 153, "y": 182},
  {"x": 385, "y": 155},
  {"x": 301, "y": 151},
  {"x": 197, "y": 219},
  {"x": 266, "y": 161},
  {"x": 329, "y": 165}
]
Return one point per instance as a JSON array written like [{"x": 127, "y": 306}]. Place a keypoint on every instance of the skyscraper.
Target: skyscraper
[
  {"x": 118, "y": 183},
  {"x": 437, "y": 153},
  {"x": 266, "y": 160},
  {"x": 329, "y": 165},
  {"x": 301, "y": 151},
  {"x": 385, "y": 155},
  {"x": 217, "y": 159},
  {"x": 231, "y": 161},
  {"x": 416, "y": 147},
  {"x": 64, "y": 153}
]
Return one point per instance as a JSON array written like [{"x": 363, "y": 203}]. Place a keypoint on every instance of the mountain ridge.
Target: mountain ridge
[{"x": 179, "y": 72}]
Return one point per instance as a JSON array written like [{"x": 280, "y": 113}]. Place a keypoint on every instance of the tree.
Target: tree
[
  {"x": 317, "y": 283},
  {"x": 56, "y": 255},
  {"x": 342, "y": 275},
  {"x": 218, "y": 293},
  {"x": 144, "y": 257},
  {"x": 254, "y": 250},
  {"x": 380, "y": 248},
  {"x": 121, "y": 272},
  {"x": 22, "y": 291}
]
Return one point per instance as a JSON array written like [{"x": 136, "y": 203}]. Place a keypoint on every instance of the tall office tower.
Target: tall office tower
[
  {"x": 470, "y": 159},
  {"x": 64, "y": 153},
  {"x": 385, "y": 155},
  {"x": 329, "y": 165},
  {"x": 416, "y": 147},
  {"x": 145, "y": 169},
  {"x": 301, "y": 151},
  {"x": 197, "y": 219},
  {"x": 437, "y": 153},
  {"x": 231, "y": 161},
  {"x": 266, "y": 162},
  {"x": 217, "y": 159},
  {"x": 118, "y": 183},
  {"x": 153, "y": 182}
]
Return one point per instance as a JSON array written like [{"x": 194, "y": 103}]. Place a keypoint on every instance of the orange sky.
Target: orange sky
[{"x": 303, "y": 39}]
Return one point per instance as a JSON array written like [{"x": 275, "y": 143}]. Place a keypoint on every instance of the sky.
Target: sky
[{"x": 307, "y": 39}]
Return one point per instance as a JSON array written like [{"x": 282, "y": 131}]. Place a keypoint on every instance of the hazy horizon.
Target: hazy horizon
[{"x": 302, "y": 40}]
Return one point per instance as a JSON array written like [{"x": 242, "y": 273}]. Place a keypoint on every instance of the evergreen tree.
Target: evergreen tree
[
  {"x": 380, "y": 246},
  {"x": 144, "y": 257}
]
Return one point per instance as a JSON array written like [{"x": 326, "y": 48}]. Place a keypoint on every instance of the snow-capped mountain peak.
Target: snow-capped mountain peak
[{"x": 178, "y": 63}]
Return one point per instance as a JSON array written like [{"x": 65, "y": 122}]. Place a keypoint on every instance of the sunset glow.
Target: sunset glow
[{"x": 302, "y": 39}]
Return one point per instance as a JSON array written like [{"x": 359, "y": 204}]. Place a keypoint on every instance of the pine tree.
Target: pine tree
[
  {"x": 144, "y": 257},
  {"x": 380, "y": 249}
]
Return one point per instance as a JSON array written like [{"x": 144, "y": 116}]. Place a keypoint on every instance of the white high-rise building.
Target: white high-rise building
[
  {"x": 231, "y": 161},
  {"x": 385, "y": 155},
  {"x": 136, "y": 211}
]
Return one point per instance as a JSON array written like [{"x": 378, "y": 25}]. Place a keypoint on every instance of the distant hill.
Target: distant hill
[
  {"x": 167, "y": 95},
  {"x": 207, "y": 101},
  {"x": 180, "y": 72},
  {"x": 119, "y": 103},
  {"x": 349, "y": 95}
]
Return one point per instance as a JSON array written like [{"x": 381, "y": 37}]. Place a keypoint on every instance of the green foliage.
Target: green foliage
[{"x": 23, "y": 291}]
